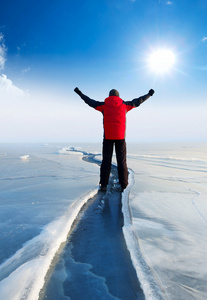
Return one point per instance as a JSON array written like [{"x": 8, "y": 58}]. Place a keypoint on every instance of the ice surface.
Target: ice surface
[
  {"x": 165, "y": 220},
  {"x": 39, "y": 200},
  {"x": 149, "y": 285},
  {"x": 70, "y": 150},
  {"x": 169, "y": 216},
  {"x": 30, "y": 264},
  {"x": 24, "y": 157}
]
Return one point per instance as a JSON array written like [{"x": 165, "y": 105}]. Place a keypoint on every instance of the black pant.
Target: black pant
[{"x": 120, "y": 147}]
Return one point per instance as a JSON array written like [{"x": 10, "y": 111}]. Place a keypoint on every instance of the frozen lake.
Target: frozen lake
[{"x": 43, "y": 187}]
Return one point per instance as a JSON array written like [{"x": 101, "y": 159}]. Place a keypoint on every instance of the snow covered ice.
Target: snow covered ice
[
  {"x": 40, "y": 198},
  {"x": 42, "y": 189},
  {"x": 169, "y": 214}
]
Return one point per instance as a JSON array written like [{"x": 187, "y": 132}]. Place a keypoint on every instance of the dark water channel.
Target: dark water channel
[{"x": 95, "y": 262}]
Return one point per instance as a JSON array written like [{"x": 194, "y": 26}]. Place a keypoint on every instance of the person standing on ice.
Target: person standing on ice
[{"x": 114, "y": 111}]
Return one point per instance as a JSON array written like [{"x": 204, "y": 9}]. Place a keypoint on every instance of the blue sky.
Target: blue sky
[{"x": 49, "y": 47}]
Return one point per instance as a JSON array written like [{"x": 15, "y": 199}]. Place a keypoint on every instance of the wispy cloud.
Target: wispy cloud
[
  {"x": 2, "y": 52},
  {"x": 166, "y": 2},
  {"x": 26, "y": 70},
  {"x": 204, "y": 39}
]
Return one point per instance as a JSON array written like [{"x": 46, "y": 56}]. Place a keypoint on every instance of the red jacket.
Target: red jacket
[{"x": 114, "y": 111}]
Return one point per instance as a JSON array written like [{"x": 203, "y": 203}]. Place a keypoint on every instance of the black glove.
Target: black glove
[
  {"x": 151, "y": 92},
  {"x": 77, "y": 91}
]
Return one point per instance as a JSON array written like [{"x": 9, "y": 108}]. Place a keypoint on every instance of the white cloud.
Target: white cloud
[
  {"x": 204, "y": 39},
  {"x": 2, "y": 52},
  {"x": 169, "y": 2},
  {"x": 8, "y": 89}
]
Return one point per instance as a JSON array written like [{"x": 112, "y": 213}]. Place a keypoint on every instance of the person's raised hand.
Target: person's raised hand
[
  {"x": 77, "y": 91},
  {"x": 151, "y": 92}
]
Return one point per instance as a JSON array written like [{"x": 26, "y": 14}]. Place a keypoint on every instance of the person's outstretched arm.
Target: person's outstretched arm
[
  {"x": 87, "y": 100},
  {"x": 137, "y": 101}
]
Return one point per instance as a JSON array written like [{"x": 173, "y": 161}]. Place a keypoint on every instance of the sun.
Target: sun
[{"x": 161, "y": 61}]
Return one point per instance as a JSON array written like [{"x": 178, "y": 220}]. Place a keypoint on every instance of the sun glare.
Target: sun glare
[{"x": 161, "y": 61}]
